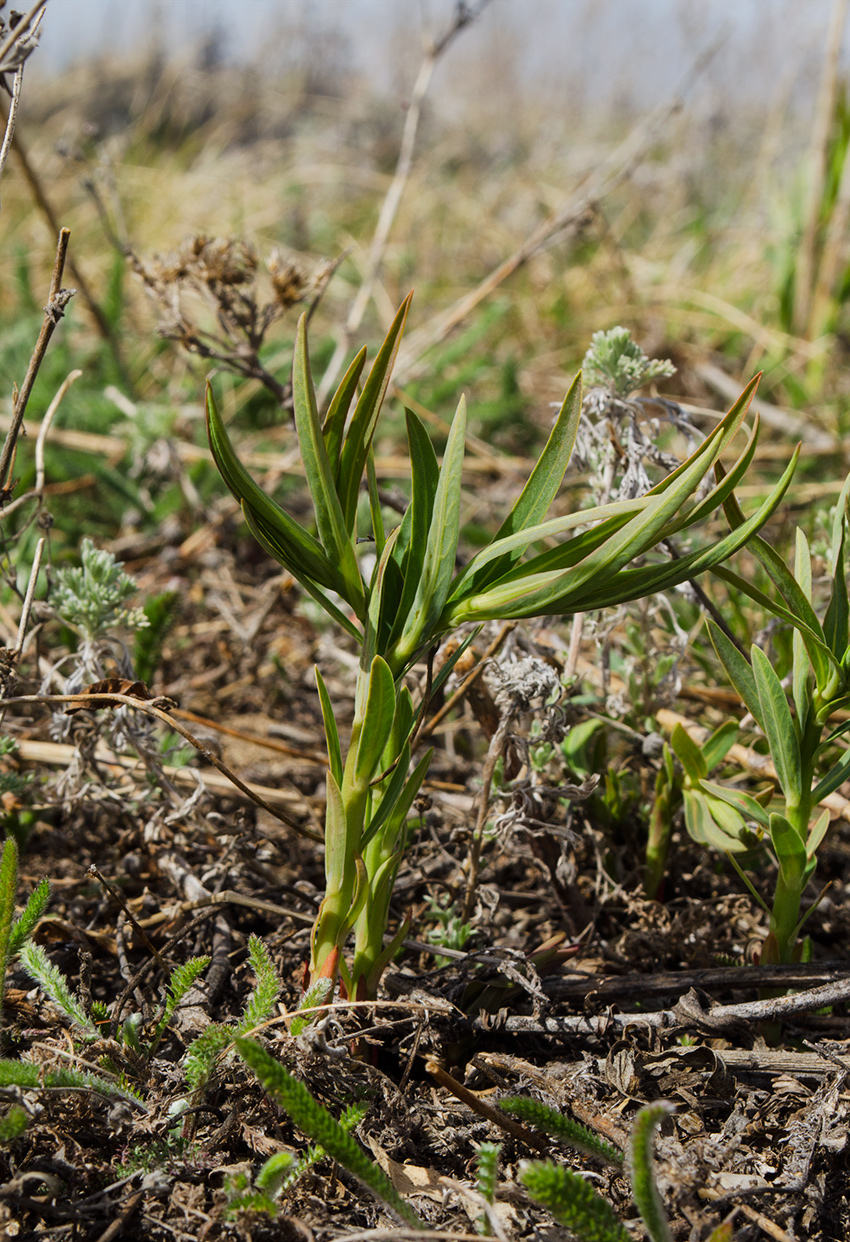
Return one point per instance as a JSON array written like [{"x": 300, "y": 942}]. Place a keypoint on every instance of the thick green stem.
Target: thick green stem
[
  {"x": 344, "y": 824},
  {"x": 791, "y": 883}
]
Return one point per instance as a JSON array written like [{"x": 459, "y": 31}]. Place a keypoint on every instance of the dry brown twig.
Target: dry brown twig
[
  {"x": 57, "y": 300},
  {"x": 153, "y": 708}
]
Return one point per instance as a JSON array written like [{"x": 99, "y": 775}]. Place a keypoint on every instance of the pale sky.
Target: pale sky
[{"x": 632, "y": 50}]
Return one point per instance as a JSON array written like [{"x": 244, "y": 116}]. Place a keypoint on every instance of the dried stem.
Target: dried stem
[
  {"x": 12, "y": 117},
  {"x": 9, "y": 668},
  {"x": 468, "y": 681},
  {"x": 494, "y": 753},
  {"x": 57, "y": 299},
  {"x": 20, "y": 30},
  {"x": 104, "y": 699}
]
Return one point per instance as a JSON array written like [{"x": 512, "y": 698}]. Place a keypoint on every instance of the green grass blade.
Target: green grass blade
[
  {"x": 779, "y": 727},
  {"x": 365, "y": 418}
]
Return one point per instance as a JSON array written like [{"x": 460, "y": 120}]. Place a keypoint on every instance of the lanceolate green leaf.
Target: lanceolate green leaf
[
  {"x": 378, "y": 721},
  {"x": 802, "y": 614},
  {"x": 790, "y": 849},
  {"x": 365, "y": 418},
  {"x": 717, "y": 746},
  {"x": 399, "y": 794},
  {"x": 817, "y": 649},
  {"x": 331, "y": 731},
  {"x": 801, "y": 669},
  {"x": 835, "y": 623},
  {"x": 642, "y": 532},
  {"x": 298, "y": 551},
  {"x": 413, "y": 539},
  {"x": 438, "y": 563},
  {"x": 335, "y": 537},
  {"x": 608, "y": 518},
  {"x": 579, "y": 590},
  {"x": 333, "y": 428},
  {"x": 537, "y": 496},
  {"x": 689, "y": 754},
  {"x": 269, "y": 540},
  {"x": 741, "y": 801},
  {"x": 737, "y": 670},
  {"x": 338, "y": 847},
  {"x": 835, "y": 777},
  {"x": 637, "y": 583},
  {"x": 778, "y": 725},
  {"x": 385, "y": 580}
]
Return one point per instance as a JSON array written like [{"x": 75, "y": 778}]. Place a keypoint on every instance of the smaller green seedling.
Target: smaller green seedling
[
  {"x": 709, "y": 820},
  {"x": 798, "y": 733}
]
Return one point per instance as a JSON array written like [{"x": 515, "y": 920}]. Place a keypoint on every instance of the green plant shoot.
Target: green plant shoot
[
  {"x": 401, "y": 609},
  {"x": 798, "y": 733}
]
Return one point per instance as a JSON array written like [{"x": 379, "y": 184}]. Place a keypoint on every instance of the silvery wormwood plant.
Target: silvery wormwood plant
[{"x": 413, "y": 597}]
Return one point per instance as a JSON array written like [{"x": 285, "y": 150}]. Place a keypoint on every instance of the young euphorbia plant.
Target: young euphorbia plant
[
  {"x": 799, "y": 739},
  {"x": 399, "y": 608}
]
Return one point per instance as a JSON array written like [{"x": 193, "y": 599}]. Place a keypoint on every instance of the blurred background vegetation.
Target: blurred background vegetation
[{"x": 677, "y": 168}]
